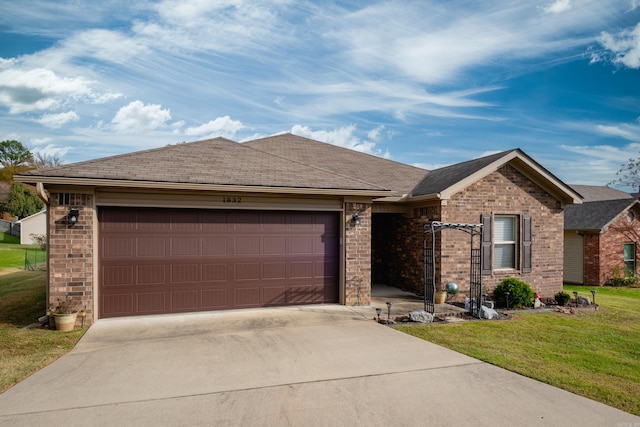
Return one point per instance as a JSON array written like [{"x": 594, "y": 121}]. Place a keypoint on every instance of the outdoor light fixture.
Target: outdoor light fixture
[
  {"x": 593, "y": 295},
  {"x": 73, "y": 216},
  {"x": 356, "y": 218},
  {"x": 575, "y": 294},
  {"x": 506, "y": 295},
  {"x": 378, "y": 311},
  {"x": 389, "y": 303}
]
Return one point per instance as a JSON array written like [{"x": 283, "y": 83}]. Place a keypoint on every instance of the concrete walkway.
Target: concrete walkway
[{"x": 322, "y": 365}]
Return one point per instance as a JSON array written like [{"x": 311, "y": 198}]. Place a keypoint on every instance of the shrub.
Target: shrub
[
  {"x": 562, "y": 298},
  {"x": 520, "y": 293}
]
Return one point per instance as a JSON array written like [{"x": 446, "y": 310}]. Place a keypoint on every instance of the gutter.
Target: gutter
[{"x": 41, "y": 180}]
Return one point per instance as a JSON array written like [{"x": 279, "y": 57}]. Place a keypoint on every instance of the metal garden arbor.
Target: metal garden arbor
[{"x": 475, "y": 257}]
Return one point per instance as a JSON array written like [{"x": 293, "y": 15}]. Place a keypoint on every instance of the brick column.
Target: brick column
[
  {"x": 358, "y": 254},
  {"x": 71, "y": 251}
]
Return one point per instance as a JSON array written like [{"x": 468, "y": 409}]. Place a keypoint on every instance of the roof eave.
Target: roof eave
[
  {"x": 525, "y": 165},
  {"x": 100, "y": 182}
]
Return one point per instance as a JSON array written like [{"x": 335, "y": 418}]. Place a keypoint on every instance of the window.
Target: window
[
  {"x": 505, "y": 239},
  {"x": 629, "y": 259},
  {"x": 505, "y": 245}
]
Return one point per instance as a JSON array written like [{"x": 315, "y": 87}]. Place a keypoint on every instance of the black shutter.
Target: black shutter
[
  {"x": 526, "y": 243},
  {"x": 487, "y": 235}
]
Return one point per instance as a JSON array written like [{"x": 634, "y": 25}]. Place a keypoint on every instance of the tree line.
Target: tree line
[{"x": 15, "y": 158}]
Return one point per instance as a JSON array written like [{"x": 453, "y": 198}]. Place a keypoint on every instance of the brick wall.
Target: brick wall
[
  {"x": 592, "y": 259},
  {"x": 70, "y": 251},
  {"x": 358, "y": 254},
  {"x": 505, "y": 191},
  {"x": 610, "y": 249}
]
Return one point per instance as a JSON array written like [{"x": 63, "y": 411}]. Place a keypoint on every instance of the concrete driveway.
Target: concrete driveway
[{"x": 323, "y": 365}]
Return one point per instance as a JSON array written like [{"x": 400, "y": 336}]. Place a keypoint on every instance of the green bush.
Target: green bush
[
  {"x": 562, "y": 298},
  {"x": 520, "y": 293}
]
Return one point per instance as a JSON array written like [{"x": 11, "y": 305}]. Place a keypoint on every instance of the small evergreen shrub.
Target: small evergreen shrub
[
  {"x": 562, "y": 298},
  {"x": 520, "y": 293}
]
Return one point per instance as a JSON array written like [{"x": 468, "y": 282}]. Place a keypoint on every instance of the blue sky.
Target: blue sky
[{"x": 428, "y": 83}]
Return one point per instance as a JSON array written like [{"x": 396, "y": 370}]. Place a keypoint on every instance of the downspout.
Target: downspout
[{"x": 44, "y": 196}]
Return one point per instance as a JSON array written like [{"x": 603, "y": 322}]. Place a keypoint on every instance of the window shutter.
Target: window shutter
[
  {"x": 526, "y": 243},
  {"x": 486, "y": 244}
]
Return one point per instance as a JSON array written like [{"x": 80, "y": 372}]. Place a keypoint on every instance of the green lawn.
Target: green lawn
[
  {"x": 593, "y": 353},
  {"x": 24, "y": 351},
  {"x": 12, "y": 254}
]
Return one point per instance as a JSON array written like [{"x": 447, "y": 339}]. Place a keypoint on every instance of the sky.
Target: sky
[{"x": 428, "y": 83}]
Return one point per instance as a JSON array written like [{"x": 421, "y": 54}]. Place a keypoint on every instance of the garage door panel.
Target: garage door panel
[
  {"x": 185, "y": 300},
  {"x": 213, "y": 272},
  {"x": 118, "y": 275},
  {"x": 274, "y": 270},
  {"x": 214, "y": 299},
  {"x": 247, "y": 271},
  {"x": 119, "y": 304},
  {"x": 118, "y": 247},
  {"x": 185, "y": 246},
  {"x": 184, "y": 220},
  {"x": 215, "y": 246},
  {"x": 274, "y": 296},
  {"x": 151, "y": 247},
  {"x": 212, "y": 260},
  {"x": 274, "y": 245},
  {"x": 247, "y": 297},
  {"x": 151, "y": 274},
  {"x": 184, "y": 273},
  {"x": 151, "y": 302}
]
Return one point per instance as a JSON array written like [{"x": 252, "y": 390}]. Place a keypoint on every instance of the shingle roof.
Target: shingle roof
[
  {"x": 440, "y": 179},
  {"x": 381, "y": 172},
  {"x": 596, "y": 193},
  {"x": 594, "y": 215},
  {"x": 216, "y": 161},
  {"x": 601, "y": 205}
]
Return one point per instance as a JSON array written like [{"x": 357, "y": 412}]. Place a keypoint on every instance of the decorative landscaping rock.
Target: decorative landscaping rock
[
  {"x": 583, "y": 301},
  {"x": 421, "y": 316},
  {"x": 488, "y": 313}
]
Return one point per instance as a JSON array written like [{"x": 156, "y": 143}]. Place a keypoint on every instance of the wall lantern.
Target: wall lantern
[
  {"x": 356, "y": 218},
  {"x": 73, "y": 216}
]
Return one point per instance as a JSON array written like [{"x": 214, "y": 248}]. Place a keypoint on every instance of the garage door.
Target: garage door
[{"x": 181, "y": 260}]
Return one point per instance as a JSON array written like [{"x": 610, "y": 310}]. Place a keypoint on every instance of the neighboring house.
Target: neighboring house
[
  {"x": 33, "y": 226},
  {"x": 601, "y": 236},
  {"x": 286, "y": 220}
]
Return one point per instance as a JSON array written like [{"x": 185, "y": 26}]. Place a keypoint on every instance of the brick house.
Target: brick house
[
  {"x": 286, "y": 220},
  {"x": 601, "y": 236}
]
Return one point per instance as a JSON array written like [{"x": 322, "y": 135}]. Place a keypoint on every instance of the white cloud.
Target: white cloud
[
  {"x": 626, "y": 131},
  {"x": 106, "y": 45},
  {"x": 624, "y": 46},
  {"x": 38, "y": 89},
  {"x": 343, "y": 137},
  {"x": 558, "y": 6},
  {"x": 374, "y": 134},
  {"x": 137, "y": 117},
  {"x": 58, "y": 120},
  {"x": 221, "y": 126},
  {"x": 52, "y": 150}
]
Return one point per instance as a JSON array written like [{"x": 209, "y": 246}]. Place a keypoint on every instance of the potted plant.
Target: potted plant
[{"x": 65, "y": 314}]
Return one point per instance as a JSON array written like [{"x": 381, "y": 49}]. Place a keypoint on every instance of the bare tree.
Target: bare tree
[{"x": 41, "y": 161}]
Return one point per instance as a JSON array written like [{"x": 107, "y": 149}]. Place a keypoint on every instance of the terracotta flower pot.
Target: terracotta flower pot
[
  {"x": 441, "y": 297},
  {"x": 65, "y": 322}
]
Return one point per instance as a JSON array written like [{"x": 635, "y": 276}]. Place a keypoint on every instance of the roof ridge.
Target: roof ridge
[
  {"x": 350, "y": 150},
  {"x": 308, "y": 165}
]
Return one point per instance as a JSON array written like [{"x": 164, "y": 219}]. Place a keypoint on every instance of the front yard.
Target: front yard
[
  {"x": 595, "y": 354},
  {"x": 24, "y": 351}
]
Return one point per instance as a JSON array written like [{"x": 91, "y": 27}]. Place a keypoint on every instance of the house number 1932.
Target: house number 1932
[{"x": 232, "y": 200}]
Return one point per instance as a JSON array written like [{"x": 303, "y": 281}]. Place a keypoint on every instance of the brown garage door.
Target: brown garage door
[{"x": 180, "y": 260}]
